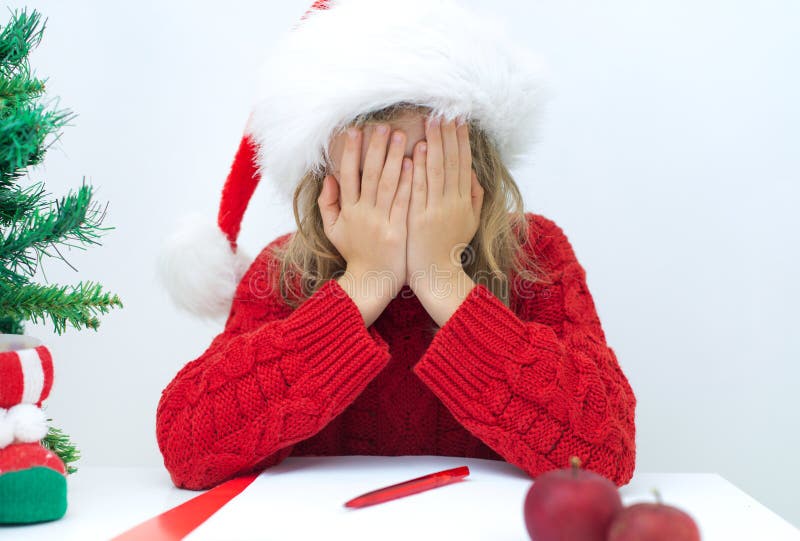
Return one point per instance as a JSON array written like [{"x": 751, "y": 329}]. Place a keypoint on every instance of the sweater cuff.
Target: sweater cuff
[
  {"x": 328, "y": 349},
  {"x": 477, "y": 350}
]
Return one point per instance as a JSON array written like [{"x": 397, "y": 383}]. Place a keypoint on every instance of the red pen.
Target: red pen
[{"x": 412, "y": 486}]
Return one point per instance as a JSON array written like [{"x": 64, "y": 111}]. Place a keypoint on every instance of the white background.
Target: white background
[{"x": 670, "y": 156}]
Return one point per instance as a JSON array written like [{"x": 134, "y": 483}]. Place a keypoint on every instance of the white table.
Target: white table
[{"x": 104, "y": 502}]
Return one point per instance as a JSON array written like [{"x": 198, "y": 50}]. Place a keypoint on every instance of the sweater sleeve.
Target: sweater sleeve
[
  {"x": 272, "y": 378},
  {"x": 540, "y": 388}
]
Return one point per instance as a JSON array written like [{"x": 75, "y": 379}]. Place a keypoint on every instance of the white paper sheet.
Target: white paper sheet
[{"x": 303, "y": 498}]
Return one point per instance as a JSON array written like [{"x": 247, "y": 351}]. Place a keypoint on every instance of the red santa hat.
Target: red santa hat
[{"x": 342, "y": 59}]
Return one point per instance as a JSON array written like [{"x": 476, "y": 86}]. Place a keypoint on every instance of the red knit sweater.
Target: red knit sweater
[{"x": 532, "y": 385}]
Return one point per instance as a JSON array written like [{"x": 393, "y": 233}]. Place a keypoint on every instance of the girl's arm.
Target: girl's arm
[
  {"x": 272, "y": 378},
  {"x": 540, "y": 387}
]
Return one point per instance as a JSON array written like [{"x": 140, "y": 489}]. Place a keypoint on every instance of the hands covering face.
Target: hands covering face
[{"x": 403, "y": 218}]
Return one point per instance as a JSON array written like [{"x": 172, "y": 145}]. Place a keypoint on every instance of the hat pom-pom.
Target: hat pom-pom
[{"x": 199, "y": 268}]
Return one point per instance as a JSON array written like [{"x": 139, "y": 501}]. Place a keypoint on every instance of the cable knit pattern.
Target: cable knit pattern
[{"x": 532, "y": 385}]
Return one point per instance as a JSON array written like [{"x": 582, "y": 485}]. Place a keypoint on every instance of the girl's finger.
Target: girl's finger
[
  {"x": 328, "y": 201},
  {"x": 434, "y": 166},
  {"x": 451, "y": 160},
  {"x": 350, "y": 178},
  {"x": 387, "y": 187},
  {"x": 373, "y": 164},
  {"x": 477, "y": 196},
  {"x": 399, "y": 211},
  {"x": 419, "y": 184},
  {"x": 464, "y": 160}
]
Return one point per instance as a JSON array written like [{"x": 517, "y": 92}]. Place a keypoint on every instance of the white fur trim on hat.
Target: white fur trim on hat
[
  {"x": 363, "y": 55},
  {"x": 199, "y": 269}
]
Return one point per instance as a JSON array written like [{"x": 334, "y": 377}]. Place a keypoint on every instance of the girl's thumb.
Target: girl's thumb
[{"x": 328, "y": 200}]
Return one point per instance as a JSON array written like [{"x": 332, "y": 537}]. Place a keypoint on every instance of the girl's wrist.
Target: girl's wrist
[
  {"x": 441, "y": 296},
  {"x": 368, "y": 291}
]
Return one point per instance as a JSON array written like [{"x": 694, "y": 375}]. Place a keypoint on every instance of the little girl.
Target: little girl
[{"x": 417, "y": 309}]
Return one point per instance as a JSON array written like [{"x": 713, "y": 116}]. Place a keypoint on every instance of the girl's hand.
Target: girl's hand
[
  {"x": 445, "y": 205},
  {"x": 364, "y": 216}
]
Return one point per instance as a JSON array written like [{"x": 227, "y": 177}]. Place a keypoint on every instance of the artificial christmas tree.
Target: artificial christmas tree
[{"x": 34, "y": 459}]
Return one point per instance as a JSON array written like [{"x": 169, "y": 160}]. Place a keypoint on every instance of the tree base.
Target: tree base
[{"x": 37, "y": 494}]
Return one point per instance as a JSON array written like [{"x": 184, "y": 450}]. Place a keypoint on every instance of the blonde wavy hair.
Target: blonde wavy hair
[{"x": 495, "y": 257}]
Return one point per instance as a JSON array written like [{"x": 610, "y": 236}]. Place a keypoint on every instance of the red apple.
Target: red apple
[
  {"x": 653, "y": 522},
  {"x": 571, "y": 505}
]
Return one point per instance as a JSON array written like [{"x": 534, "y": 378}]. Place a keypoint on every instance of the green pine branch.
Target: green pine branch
[
  {"x": 25, "y": 124},
  {"x": 24, "y": 131},
  {"x": 74, "y": 218},
  {"x": 19, "y": 88},
  {"x": 17, "y": 201},
  {"x": 79, "y": 306},
  {"x": 60, "y": 444},
  {"x": 18, "y": 38}
]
